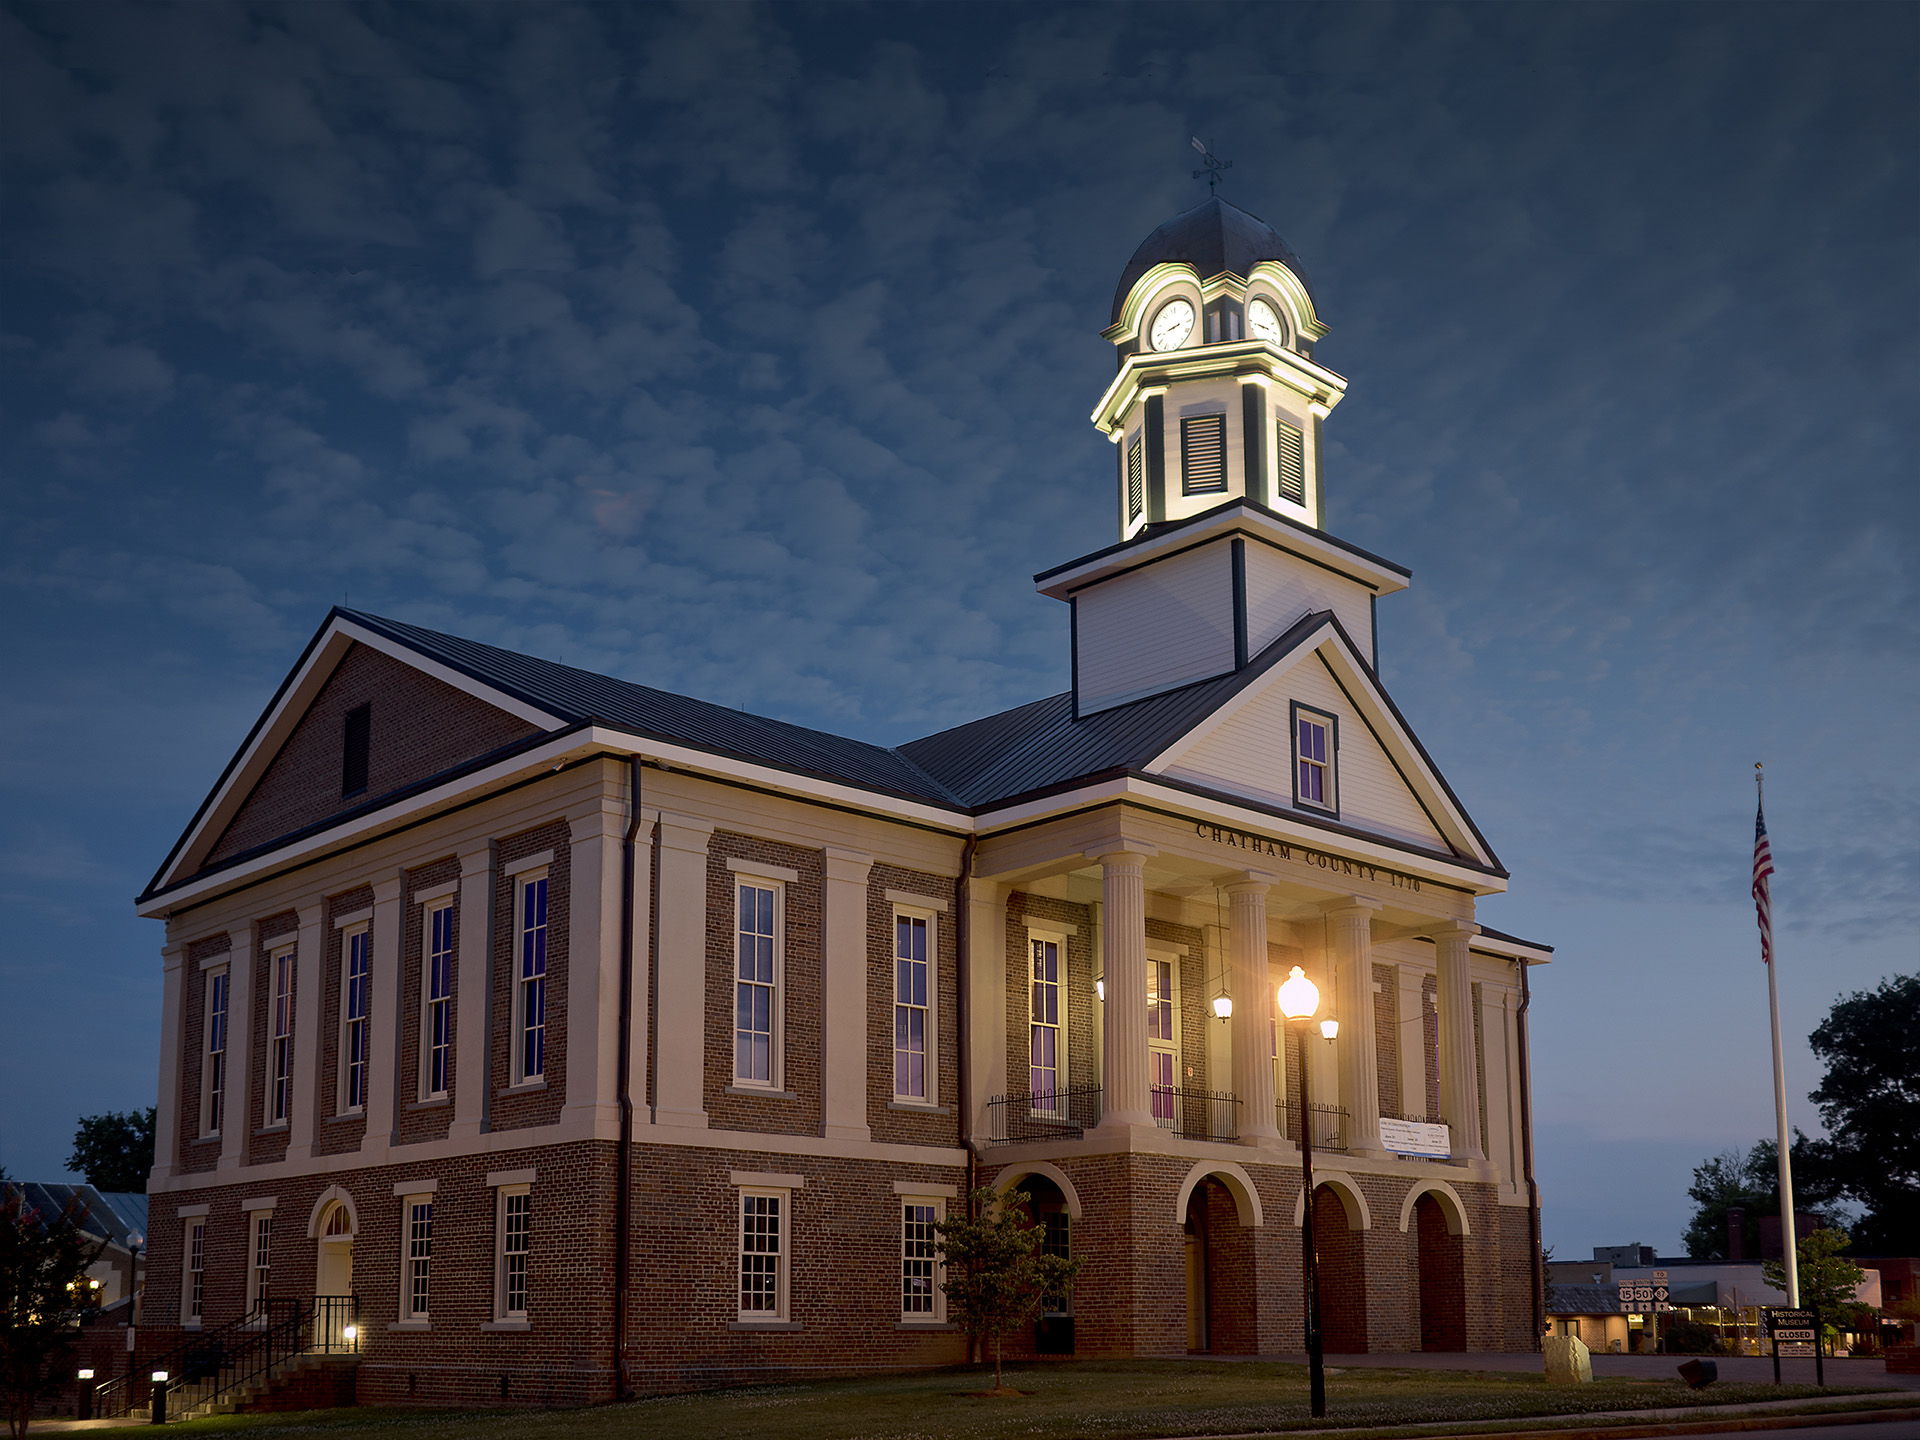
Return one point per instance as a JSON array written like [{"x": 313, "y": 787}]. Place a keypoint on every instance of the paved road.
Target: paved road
[
  {"x": 1756, "y": 1369},
  {"x": 1875, "y": 1430}
]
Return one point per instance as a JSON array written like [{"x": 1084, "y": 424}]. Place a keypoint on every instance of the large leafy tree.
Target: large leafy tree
[
  {"x": 1870, "y": 1104},
  {"x": 997, "y": 1278},
  {"x": 114, "y": 1151},
  {"x": 43, "y": 1291},
  {"x": 1750, "y": 1181},
  {"x": 1827, "y": 1278}
]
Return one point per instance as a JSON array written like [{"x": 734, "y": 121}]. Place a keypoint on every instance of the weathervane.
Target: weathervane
[{"x": 1212, "y": 163}]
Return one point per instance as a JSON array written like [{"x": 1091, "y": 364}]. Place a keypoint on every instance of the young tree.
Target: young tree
[
  {"x": 1827, "y": 1278},
  {"x": 1870, "y": 1103},
  {"x": 44, "y": 1290},
  {"x": 1751, "y": 1182},
  {"x": 114, "y": 1151},
  {"x": 996, "y": 1276}
]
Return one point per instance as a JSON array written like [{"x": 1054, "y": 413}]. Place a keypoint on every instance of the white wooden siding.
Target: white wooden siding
[
  {"x": 1281, "y": 588},
  {"x": 1251, "y": 754},
  {"x": 1167, "y": 624}
]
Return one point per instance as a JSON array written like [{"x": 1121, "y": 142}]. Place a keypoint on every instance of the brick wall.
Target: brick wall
[
  {"x": 1340, "y": 1260},
  {"x": 335, "y": 1133},
  {"x": 885, "y": 1120},
  {"x": 1430, "y": 1033},
  {"x": 423, "y": 1119},
  {"x": 1386, "y": 1037},
  {"x": 197, "y": 1154},
  {"x": 1233, "y": 1322},
  {"x": 420, "y": 727},
  {"x": 263, "y": 1146},
  {"x": 797, "y": 1106},
  {"x": 1440, "y": 1275}
]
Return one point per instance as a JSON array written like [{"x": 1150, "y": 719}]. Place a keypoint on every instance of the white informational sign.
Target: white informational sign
[
  {"x": 1412, "y": 1137},
  {"x": 1788, "y": 1350}
]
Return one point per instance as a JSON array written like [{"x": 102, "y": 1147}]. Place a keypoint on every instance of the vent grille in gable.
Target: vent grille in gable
[
  {"x": 1291, "y": 453},
  {"x": 1136, "y": 480},
  {"x": 1203, "y": 454},
  {"x": 354, "y": 750}
]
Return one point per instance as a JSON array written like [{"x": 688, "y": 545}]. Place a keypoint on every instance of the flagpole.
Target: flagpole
[{"x": 1789, "y": 1248}]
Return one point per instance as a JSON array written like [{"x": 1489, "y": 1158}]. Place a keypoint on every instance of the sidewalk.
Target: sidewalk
[{"x": 1747, "y": 1369}]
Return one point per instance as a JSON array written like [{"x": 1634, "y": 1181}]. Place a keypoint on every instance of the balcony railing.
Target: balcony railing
[
  {"x": 1329, "y": 1125},
  {"x": 1197, "y": 1114},
  {"x": 1033, "y": 1116}
]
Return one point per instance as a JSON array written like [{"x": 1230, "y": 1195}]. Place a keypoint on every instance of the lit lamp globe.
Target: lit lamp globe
[
  {"x": 1329, "y": 1028},
  {"x": 1299, "y": 997},
  {"x": 1223, "y": 1006}
]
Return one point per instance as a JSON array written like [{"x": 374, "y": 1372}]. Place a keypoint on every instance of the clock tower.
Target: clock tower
[{"x": 1217, "y": 396}]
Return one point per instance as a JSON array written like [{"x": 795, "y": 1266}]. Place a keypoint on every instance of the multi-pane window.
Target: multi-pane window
[
  {"x": 280, "y": 1043},
  {"x": 530, "y": 984},
  {"x": 515, "y": 1216},
  {"x": 919, "y": 1254},
  {"x": 438, "y": 1001},
  {"x": 1136, "y": 479},
  {"x": 1313, "y": 762},
  {"x": 259, "y": 1258},
  {"x": 1203, "y": 454},
  {"x": 355, "y": 986},
  {"x": 755, "y": 996},
  {"x": 419, "y": 1257},
  {"x": 910, "y": 1009},
  {"x": 1162, "y": 1044},
  {"x": 216, "y": 1070},
  {"x": 1289, "y": 451},
  {"x": 1043, "y": 1029},
  {"x": 196, "y": 1270},
  {"x": 762, "y": 1256}
]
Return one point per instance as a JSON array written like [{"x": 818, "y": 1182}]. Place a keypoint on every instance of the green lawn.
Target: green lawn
[{"x": 1084, "y": 1400}]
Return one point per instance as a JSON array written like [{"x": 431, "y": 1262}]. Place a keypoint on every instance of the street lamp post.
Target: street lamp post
[{"x": 1299, "y": 998}]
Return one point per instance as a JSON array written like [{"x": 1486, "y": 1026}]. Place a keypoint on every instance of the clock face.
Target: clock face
[
  {"x": 1263, "y": 324},
  {"x": 1172, "y": 325}
]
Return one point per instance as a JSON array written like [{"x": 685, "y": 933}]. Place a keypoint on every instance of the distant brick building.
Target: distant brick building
[{"x": 582, "y": 1030}]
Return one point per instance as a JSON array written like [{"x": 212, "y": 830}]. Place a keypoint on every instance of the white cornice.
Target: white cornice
[{"x": 1248, "y": 359}]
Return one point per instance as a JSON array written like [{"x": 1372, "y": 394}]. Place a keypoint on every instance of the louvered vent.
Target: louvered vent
[
  {"x": 1203, "y": 454},
  {"x": 1290, "y": 452},
  {"x": 1136, "y": 480}
]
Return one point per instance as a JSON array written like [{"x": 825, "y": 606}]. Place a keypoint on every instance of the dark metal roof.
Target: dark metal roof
[
  {"x": 116, "y": 1216},
  {"x": 1213, "y": 237},
  {"x": 1503, "y": 935},
  {"x": 580, "y": 696},
  {"x": 1583, "y": 1299}
]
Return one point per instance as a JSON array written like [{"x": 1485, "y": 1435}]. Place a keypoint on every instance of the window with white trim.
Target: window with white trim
[
  {"x": 196, "y": 1287},
  {"x": 1046, "y": 1028},
  {"x": 356, "y": 989},
  {"x": 280, "y": 1038},
  {"x": 416, "y": 1260},
  {"x": 763, "y": 1253},
  {"x": 513, "y": 1232},
  {"x": 213, "y": 1084},
  {"x": 1316, "y": 741},
  {"x": 259, "y": 1258},
  {"x": 436, "y": 1001},
  {"x": 915, "y": 975},
  {"x": 758, "y": 963},
  {"x": 1163, "y": 1036},
  {"x": 530, "y": 977},
  {"x": 921, "y": 1298}
]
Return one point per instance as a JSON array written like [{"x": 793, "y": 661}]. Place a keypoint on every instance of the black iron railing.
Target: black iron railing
[
  {"x": 1196, "y": 1114},
  {"x": 206, "y": 1368},
  {"x": 1329, "y": 1125},
  {"x": 1039, "y": 1115}
]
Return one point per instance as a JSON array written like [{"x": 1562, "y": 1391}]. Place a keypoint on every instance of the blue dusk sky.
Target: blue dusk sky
[{"x": 748, "y": 352}]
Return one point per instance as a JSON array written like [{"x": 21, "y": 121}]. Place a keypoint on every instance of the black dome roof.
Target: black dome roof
[{"x": 1213, "y": 237}]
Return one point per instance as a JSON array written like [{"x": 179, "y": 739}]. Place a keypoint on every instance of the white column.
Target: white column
[
  {"x": 986, "y": 1036},
  {"x": 241, "y": 962},
  {"x": 1253, "y": 1004},
  {"x": 383, "y": 1022},
  {"x": 637, "y": 1057},
  {"x": 472, "y": 993},
  {"x": 1411, "y": 1036},
  {"x": 166, "y": 1126},
  {"x": 1124, "y": 940},
  {"x": 1350, "y": 951},
  {"x": 1459, "y": 1095},
  {"x": 308, "y": 986},
  {"x": 681, "y": 987},
  {"x": 1494, "y": 1000},
  {"x": 843, "y": 1012},
  {"x": 594, "y": 903}
]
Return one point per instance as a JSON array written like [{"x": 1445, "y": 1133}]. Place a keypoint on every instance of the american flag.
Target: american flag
[{"x": 1762, "y": 868}]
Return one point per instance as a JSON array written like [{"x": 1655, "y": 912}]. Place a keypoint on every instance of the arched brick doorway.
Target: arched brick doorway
[
  {"x": 1441, "y": 1276},
  {"x": 1220, "y": 1272},
  {"x": 1341, "y": 1266}
]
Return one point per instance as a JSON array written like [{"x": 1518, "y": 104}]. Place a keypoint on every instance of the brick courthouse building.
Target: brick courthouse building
[{"x": 568, "y": 1024}]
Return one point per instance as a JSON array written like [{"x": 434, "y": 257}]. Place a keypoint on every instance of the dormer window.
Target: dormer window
[{"x": 1316, "y": 744}]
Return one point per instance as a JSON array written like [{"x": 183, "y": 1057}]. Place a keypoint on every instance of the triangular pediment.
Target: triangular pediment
[
  {"x": 1383, "y": 781},
  {"x": 423, "y": 719}
]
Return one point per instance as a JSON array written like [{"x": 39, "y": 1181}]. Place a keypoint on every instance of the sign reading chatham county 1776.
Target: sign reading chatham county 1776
[{"x": 1281, "y": 850}]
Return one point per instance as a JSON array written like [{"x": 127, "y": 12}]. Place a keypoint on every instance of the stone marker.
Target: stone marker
[{"x": 1568, "y": 1362}]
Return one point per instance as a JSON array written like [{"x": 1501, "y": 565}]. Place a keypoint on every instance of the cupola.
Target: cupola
[{"x": 1217, "y": 396}]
